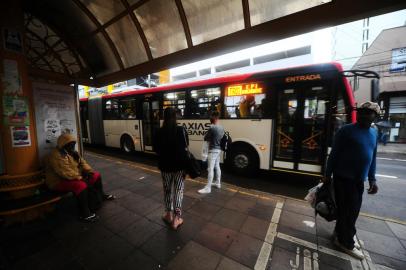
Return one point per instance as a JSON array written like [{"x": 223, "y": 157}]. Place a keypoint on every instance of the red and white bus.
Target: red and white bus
[{"x": 278, "y": 120}]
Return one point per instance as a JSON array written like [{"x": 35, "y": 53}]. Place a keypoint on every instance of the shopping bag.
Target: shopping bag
[{"x": 311, "y": 195}]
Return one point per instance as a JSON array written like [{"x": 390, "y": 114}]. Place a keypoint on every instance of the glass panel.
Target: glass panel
[
  {"x": 162, "y": 26},
  {"x": 314, "y": 117},
  {"x": 128, "y": 108},
  {"x": 247, "y": 106},
  {"x": 211, "y": 19},
  {"x": 203, "y": 102},
  {"x": 176, "y": 100},
  {"x": 340, "y": 115},
  {"x": 104, "y": 10},
  {"x": 101, "y": 56},
  {"x": 111, "y": 109},
  {"x": 266, "y": 10},
  {"x": 127, "y": 41},
  {"x": 284, "y": 141}
]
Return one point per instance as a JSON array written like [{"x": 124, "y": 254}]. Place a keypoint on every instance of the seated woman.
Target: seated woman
[{"x": 67, "y": 171}]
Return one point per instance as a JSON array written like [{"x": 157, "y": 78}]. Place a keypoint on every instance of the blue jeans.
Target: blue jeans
[{"x": 213, "y": 166}]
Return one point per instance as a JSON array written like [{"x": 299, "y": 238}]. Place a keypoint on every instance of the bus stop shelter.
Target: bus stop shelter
[{"x": 47, "y": 47}]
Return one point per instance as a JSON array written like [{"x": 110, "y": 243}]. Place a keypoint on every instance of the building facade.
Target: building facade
[{"x": 387, "y": 56}]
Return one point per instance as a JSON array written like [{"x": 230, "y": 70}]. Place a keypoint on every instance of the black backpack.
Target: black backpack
[
  {"x": 225, "y": 142},
  {"x": 325, "y": 204}
]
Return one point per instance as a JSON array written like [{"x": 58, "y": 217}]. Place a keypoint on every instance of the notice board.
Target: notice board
[{"x": 55, "y": 114}]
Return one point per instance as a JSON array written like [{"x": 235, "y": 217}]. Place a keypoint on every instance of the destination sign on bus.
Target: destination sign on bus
[{"x": 244, "y": 89}]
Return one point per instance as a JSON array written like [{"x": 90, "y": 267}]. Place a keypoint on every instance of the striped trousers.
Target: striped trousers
[{"x": 173, "y": 183}]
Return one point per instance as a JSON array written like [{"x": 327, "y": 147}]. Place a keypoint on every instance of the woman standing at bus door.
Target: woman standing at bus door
[{"x": 170, "y": 145}]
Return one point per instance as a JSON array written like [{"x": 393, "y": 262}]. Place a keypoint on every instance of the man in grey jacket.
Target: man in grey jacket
[{"x": 213, "y": 137}]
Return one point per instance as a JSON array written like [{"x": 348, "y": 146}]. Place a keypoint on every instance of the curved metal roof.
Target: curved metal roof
[{"x": 113, "y": 40}]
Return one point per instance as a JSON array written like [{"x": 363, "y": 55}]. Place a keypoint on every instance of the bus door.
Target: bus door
[
  {"x": 150, "y": 121},
  {"x": 300, "y": 128}
]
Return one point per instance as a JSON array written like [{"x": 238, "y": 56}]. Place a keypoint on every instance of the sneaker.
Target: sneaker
[
  {"x": 216, "y": 184},
  {"x": 356, "y": 243},
  {"x": 204, "y": 190},
  {"x": 91, "y": 218},
  {"x": 356, "y": 253}
]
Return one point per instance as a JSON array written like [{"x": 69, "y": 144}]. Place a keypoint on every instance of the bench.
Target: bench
[{"x": 25, "y": 197}]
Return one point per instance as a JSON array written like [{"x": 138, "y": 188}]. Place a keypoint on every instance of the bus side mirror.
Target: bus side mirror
[{"x": 374, "y": 90}]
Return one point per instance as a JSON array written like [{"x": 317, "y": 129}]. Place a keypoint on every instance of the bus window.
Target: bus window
[
  {"x": 246, "y": 106},
  {"x": 176, "y": 100},
  {"x": 203, "y": 102},
  {"x": 111, "y": 109},
  {"x": 128, "y": 108}
]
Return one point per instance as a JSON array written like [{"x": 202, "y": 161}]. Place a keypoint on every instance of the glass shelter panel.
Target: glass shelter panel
[
  {"x": 211, "y": 19},
  {"x": 104, "y": 10},
  {"x": 128, "y": 42},
  {"x": 162, "y": 26},
  {"x": 266, "y": 10}
]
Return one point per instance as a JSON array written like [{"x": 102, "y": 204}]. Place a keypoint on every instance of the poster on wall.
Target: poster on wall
[
  {"x": 20, "y": 136},
  {"x": 55, "y": 114},
  {"x": 11, "y": 79},
  {"x": 15, "y": 111},
  {"x": 12, "y": 40}
]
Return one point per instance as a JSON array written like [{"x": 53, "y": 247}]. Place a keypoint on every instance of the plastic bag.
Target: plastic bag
[
  {"x": 205, "y": 150},
  {"x": 311, "y": 195}
]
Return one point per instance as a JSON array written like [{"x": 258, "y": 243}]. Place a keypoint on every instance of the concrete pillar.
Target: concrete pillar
[{"x": 17, "y": 160}]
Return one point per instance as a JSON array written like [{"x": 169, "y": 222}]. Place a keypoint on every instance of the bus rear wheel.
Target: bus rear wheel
[
  {"x": 243, "y": 160},
  {"x": 127, "y": 144}
]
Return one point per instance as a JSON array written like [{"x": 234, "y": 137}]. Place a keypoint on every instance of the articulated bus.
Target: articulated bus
[{"x": 280, "y": 120}]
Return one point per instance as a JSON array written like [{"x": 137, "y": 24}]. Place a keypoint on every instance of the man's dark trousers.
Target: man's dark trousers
[{"x": 348, "y": 195}]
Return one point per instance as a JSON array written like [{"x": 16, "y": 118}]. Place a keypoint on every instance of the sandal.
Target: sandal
[
  {"x": 176, "y": 226},
  {"x": 167, "y": 218}
]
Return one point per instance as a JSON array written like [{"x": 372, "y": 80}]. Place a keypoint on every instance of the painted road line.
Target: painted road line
[
  {"x": 356, "y": 264},
  {"x": 367, "y": 263},
  {"x": 394, "y": 159},
  {"x": 266, "y": 249},
  {"x": 386, "y": 176}
]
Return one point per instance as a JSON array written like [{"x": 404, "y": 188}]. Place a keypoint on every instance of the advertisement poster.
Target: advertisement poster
[
  {"x": 20, "y": 136},
  {"x": 55, "y": 114},
  {"x": 12, "y": 40},
  {"x": 11, "y": 78},
  {"x": 15, "y": 111}
]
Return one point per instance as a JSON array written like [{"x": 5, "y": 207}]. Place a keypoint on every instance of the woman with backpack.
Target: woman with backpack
[{"x": 170, "y": 145}]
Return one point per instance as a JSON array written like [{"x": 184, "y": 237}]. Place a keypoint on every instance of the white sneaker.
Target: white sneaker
[
  {"x": 204, "y": 190},
  {"x": 356, "y": 243},
  {"x": 217, "y": 184},
  {"x": 356, "y": 253}
]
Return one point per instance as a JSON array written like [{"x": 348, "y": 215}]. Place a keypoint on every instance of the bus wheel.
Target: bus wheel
[
  {"x": 243, "y": 160},
  {"x": 127, "y": 144}
]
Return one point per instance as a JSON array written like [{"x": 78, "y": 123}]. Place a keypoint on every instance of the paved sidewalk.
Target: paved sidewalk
[
  {"x": 392, "y": 148},
  {"x": 231, "y": 228}
]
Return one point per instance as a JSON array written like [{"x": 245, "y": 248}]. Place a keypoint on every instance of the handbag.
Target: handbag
[{"x": 192, "y": 166}]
